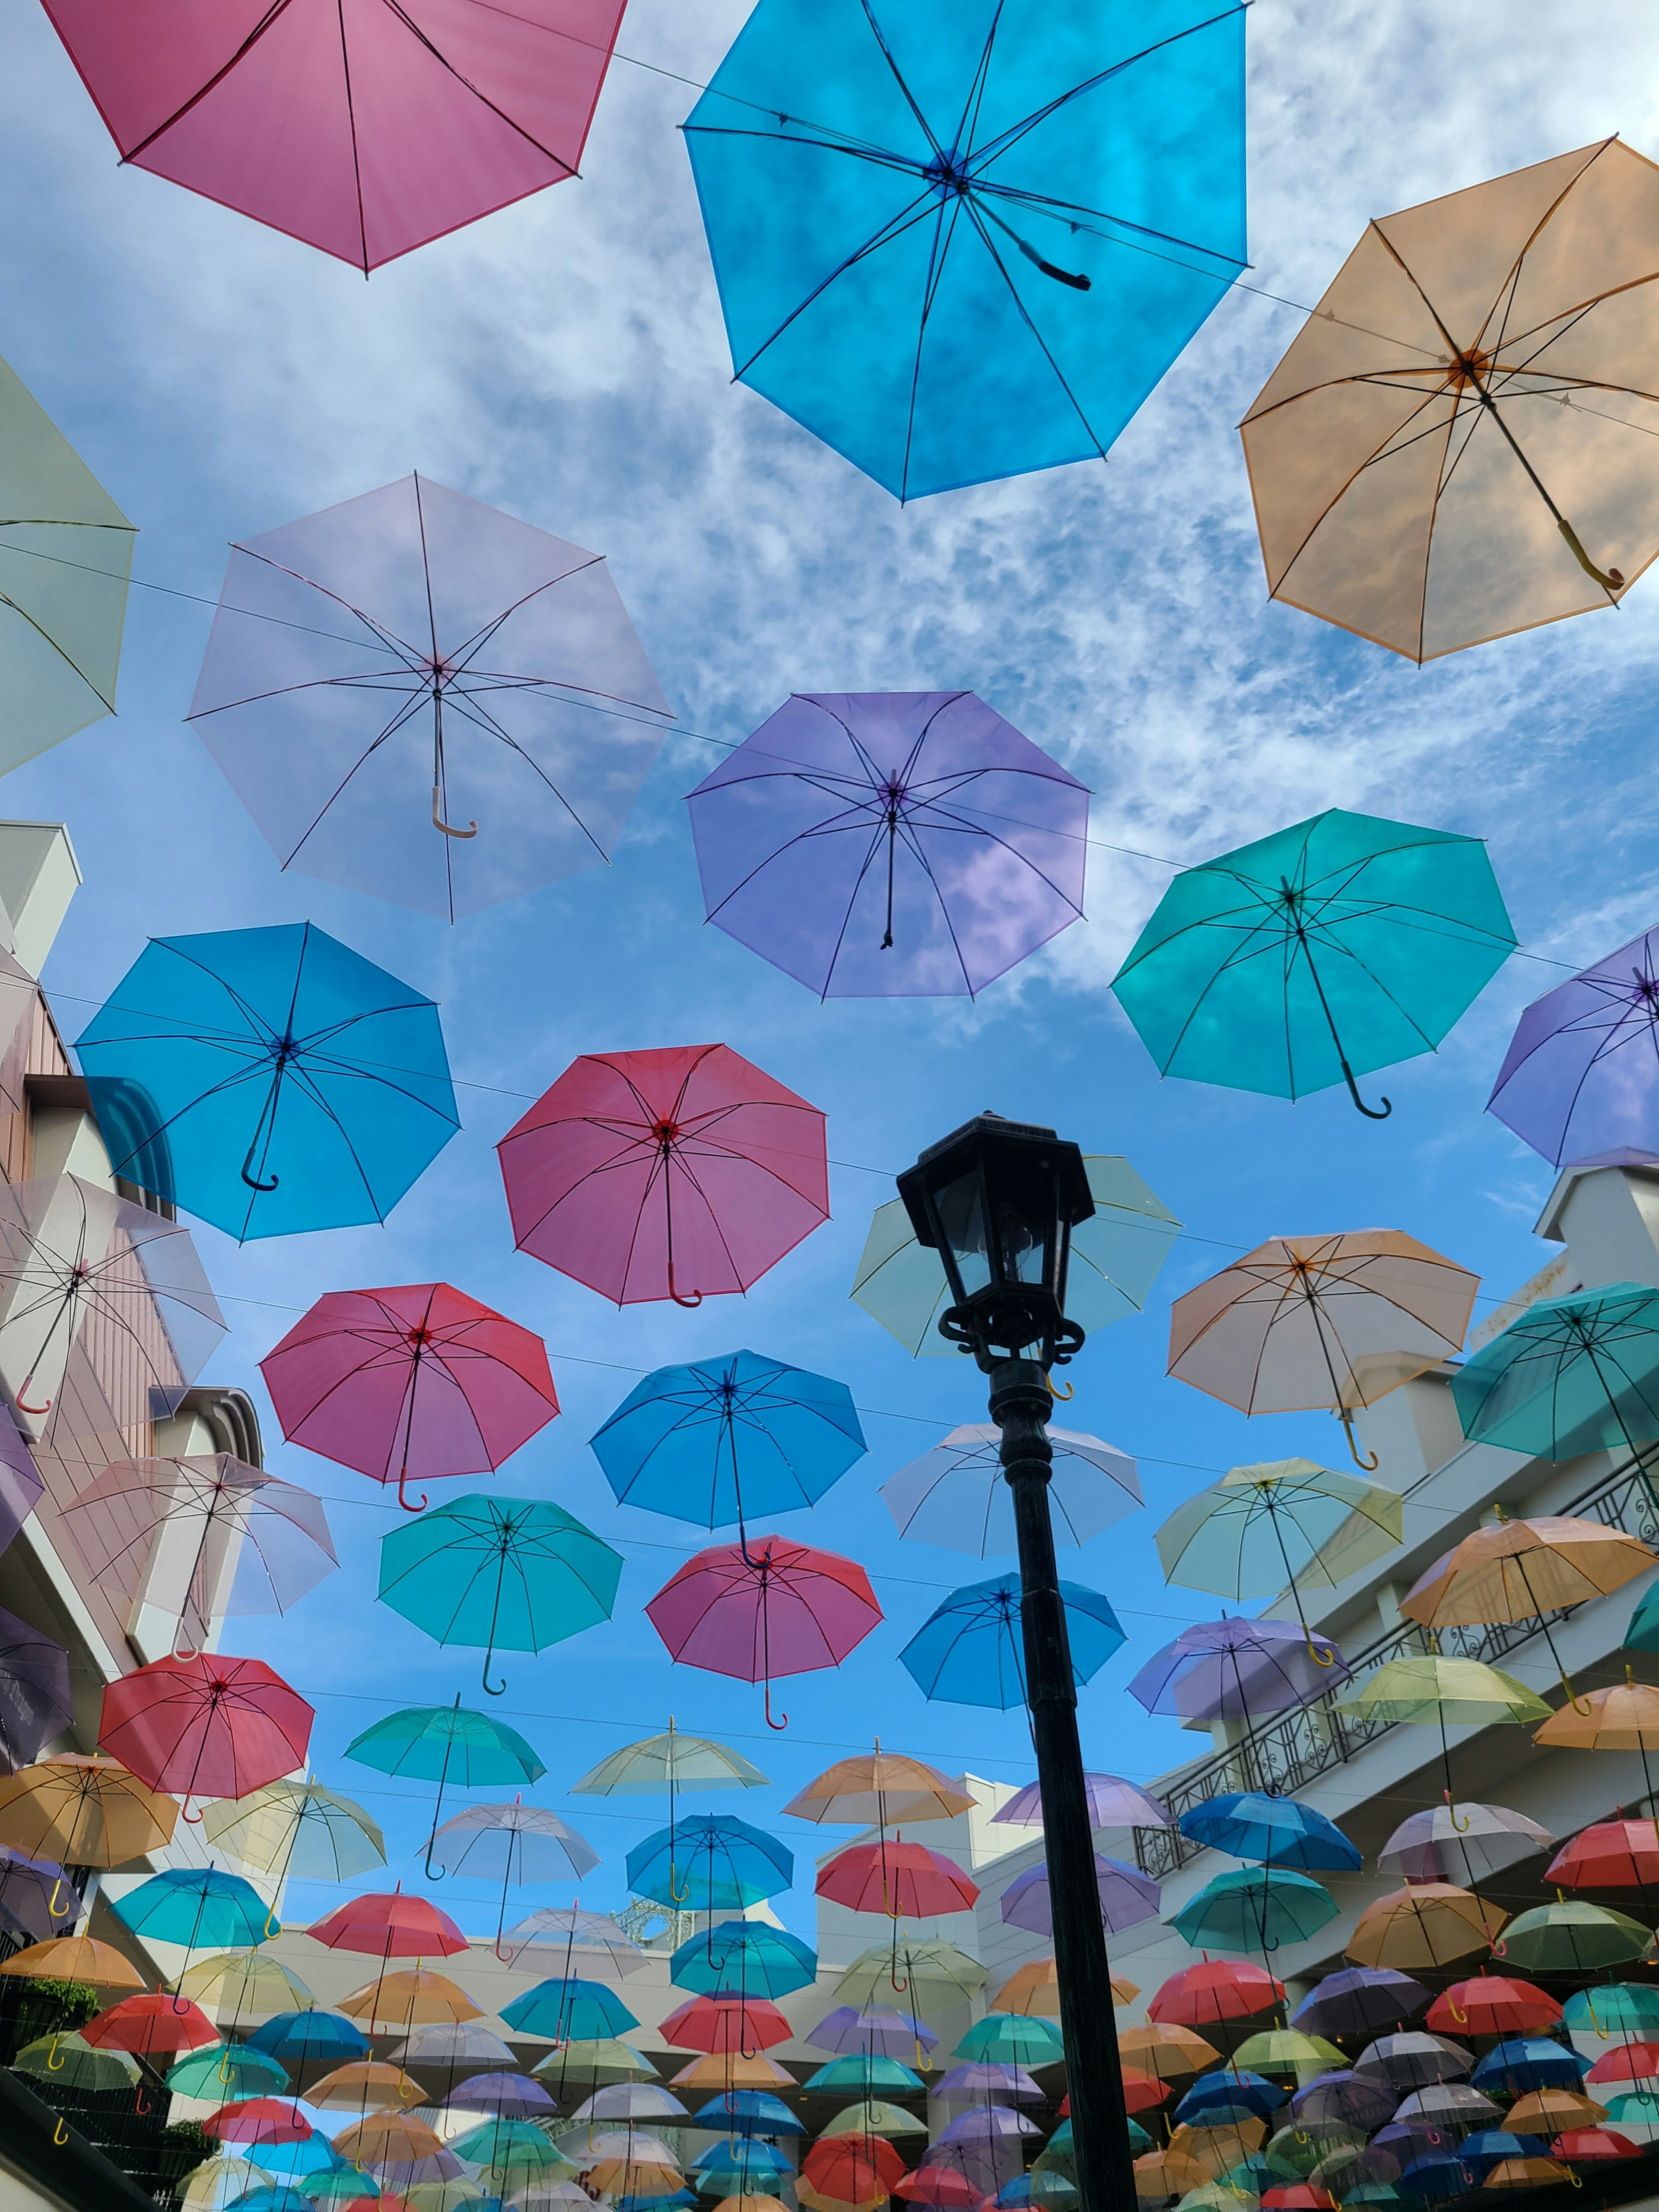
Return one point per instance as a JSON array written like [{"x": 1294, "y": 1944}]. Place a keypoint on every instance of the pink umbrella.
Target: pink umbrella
[
  {"x": 636, "y": 1164},
  {"x": 362, "y": 128},
  {"x": 419, "y": 1380},
  {"x": 768, "y": 1608},
  {"x": 207, "y": 1726}
]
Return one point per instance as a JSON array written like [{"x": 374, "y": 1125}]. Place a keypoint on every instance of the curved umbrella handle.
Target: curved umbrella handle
[
  {"x": 448, "y": 828},
  {"x": 771, "y": 1723},
  {"x": 681, "y": 1298},
  {"x": 60, "y": 2133},
  {"x": 491, "y": 1691},
  {"x": 53, "y": 1909},
  {"x": 23, "y": 1405},
  {"x": 402, "y": 1495},
  {"x": 142, "y": 2105},
  {"x": 193, "y": 1818},
  {"x": 1370, "y": 1465},
  {"x": 252, "y": 1181},
  {"x": 1054, "y": 1390},
  {"x": 1610, "y": 579},
  {"x": 54, "y": 2064}
]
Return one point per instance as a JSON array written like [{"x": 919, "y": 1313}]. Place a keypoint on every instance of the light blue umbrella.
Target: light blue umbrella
[
  {"x": 195, "y": 1905},
  {"x": 712, "y": 1862},
  {"x": 745, "y": 1956},
  {"x": 1277, "y": 1830},
  {"x": 969, "y": 1652},
  {"x": 269, "y": 1080},
  {"x": 571, "y": 2010}
]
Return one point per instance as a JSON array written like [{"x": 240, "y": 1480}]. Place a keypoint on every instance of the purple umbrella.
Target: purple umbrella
[
  {"x": 1233, "y": 1670},
  {"x": 891, "y": 844},
  {"x": 986, "y": 2121},
  {"x": 1346, "y": 2097},
  {"x": 20, "y": 1481},
  {"x": 1127, "y": 1898},
  {"x": 1414, "y": 2060},
  {"x": 1462, "y": 1844},
  {"x": 1357, "y": 2000},
  {"x": 510, "y": 2096},
  {"x": 35, "y": 1691},
  {"x": 28, "y": 1888},
  {"x": 990, "y": 2077},
  {"x": 878, "y": 2033},
  {"x": 1581, "y": 1076},
  {"x": 1113, "y": 1803}
]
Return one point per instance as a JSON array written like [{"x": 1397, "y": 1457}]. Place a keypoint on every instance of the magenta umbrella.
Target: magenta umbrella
[{"x": 1127, "y": 1898}]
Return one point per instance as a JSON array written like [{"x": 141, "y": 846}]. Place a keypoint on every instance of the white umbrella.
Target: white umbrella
[
  {"x": 1461, "y": 1843},
  {"x": 462, "y": 2042},
  {"x": 594, "y": 2146},
  {"x": 955, "y": 1494},
  {"x": 630, "y": 2100}
]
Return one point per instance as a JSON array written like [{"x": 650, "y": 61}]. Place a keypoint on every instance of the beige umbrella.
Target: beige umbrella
[
  {"x": 366, "y": 2085},
  {"x": 1453, "y": 448},
  {"x": 409, "y": 1998},
  {"x": 1166, "y": 2051},
  {"x": 236, "y": 1984},
  {"x": 1327, "y": 1323},
  {"x": 879, "y": 1790},
  {"x": 1426, "y": 1924}
]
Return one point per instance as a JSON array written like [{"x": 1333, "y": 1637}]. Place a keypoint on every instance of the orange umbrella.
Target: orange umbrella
[
  {"x": 881, "y": 1789},
  {"x": 363, "y": 2083},
  {"x": 74, "y": 1959},
  {"x": 816, "y": 2202},
  {"x": 1167, "y": 2173},
  {"x": 409, "y": 1998},
  {"x": 1526, "y": 2173},
  {"x": 1166, "y": 2051},
  {"x": 1623, "y": 1718},
  {"x": 1033, "y": 1988},
  {"x": 1426, "y": 1924},
  {"x": 387, "y": 2139},
  {"x": 1551, "y": 2112},
  {"x": 1452, "y": 450},
  {"x": 853, "y": 2169},
  {"x": 83, "y": 1811},
  {"x": 1218, "y": 2149},
  {"x": 628, "y": 2177},
  {"x": 731, "y": 2070}
]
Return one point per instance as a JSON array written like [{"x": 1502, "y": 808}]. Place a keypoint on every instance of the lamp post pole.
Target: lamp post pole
[{"x": 1020, "y": 1400}]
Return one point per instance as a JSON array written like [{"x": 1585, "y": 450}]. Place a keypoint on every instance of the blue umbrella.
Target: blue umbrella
[
  {"x": 1521, "y": 2062},
  {"x": 269, "y": 1080},
  {"x": 1436, "y": 2177},
  {"x": 729, "y": 1438},
  {"x": 865, "y": 2071},
  {"x": 1275, "y": 1830},
  {"x": 712, "y": 1862},
  {"x": 969, "y": 1652},
  {"x": 1483, "y": 2150},
  {"x": 302, "y": 2039},
  {"x": 196, "y": 1905},
  {"x": 1251, "y": 2094},
  {"x": 750, "y": 2153},
  {"x": 569, "y": 2011},
  {"x": 745, "y": 1956},
  {"x": 966, "y": 241},
  {"x": 295, "y": 2160},
  {"x": 749, "y": 2112}
]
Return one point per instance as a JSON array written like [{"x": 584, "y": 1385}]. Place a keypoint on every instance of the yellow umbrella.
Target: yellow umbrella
[
  {"x": 83, "y": 1811},
  {"x": 1284, "y": 2050},
  {"x": 1166, "y": 2051},
  {"x": 74, "y": 1959},
  {"x": 1445, "y": 1693},
  {"x": 239, "y": 1983},
  {"x": 806, "y": 2194},
  {"x": 749, "y": 2204},
  {"x": 68, "y": 2059},
  {"x": 1426, "y": 1924},
  {"x": 296, "y": 1828},
  {"x": 363, "y": 2084},
  {"x": 409, "y": 1998}
]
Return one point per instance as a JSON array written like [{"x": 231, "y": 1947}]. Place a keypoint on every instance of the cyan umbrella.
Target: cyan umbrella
[
  {"x": 569, "y": 2011},
  {"x": 509, "y": 2146},
  {"x": 745, "y": 1957},
  {"x": 1571, "y": 1375},
  {"x": 225, "y": 2073},
  {"x": 1520, "y": 2063},
  {"x": 198, "y": 1906},
  {"x": 957, "y": 244},
  {"x": 445, "y": 1744},
  {"x": 970, "y": 1651},
  {"x": 1643, "y": 1634},
  {"x": 306, "y": 2039},
  {"x": 1614, "y": 2008},
  {"x": 269, "y": 1080},
  {"x": 711, "y": 1862},
  {"x": 729, "y": 1438},
  {"x": 1340, "y": 944},
  {"x": 751, "y": 2112},
  {"x": 1254, "y": 1908},
  {"x": 1016, "y": 2039},
  {"x": 740, "y": 2158},
  {"x": 865, "y": 2072},
  {"x": 513, "y": 1574},
  {"x": 1277, "y": 1830}
]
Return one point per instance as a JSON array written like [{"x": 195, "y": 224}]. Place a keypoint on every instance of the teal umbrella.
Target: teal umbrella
[
  {"x": 507, "y": 2147},
  {"x": 1012, "y": 2039},
  {"x": 1341, "y": 944},
  {"x": 746, "y": 1956},
  {"x": 1254, "y": 1908},
  {"x": 227, "y": 2073},
  {"x": 863, "y": 2071},
  {"x": 1643, "y": 1634},
  {"x": 511, "y": 1573},
  {"x": 445, "y": 1744},
  {"x": 197, "y": 1906},
  {"x": 571, "y": 2010}
]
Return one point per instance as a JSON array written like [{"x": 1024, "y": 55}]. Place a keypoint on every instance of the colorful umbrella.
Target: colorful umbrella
[
  {"x": 1290, "y": 1524},
  {"x": 1356, "y": 1999},
  {"x": 420, "y": 1379},
  {"x": 1035, "y": 1987},
  {"x": 865, "y": 2071},
  {"x": 1115, "y": 1256},
  {"x": 1520, "y": 2063},
  {"x": 209, "y": 1725},
  {"x": 726, "y": 2025},
  {"x": 907, "y": 226},
  {"x": 154, "y": 2023},
  {"x": 1548, "y": 2111},
  {"x": 1013, "y": 2038},
  {"x": 1254, "y": 1908},
  {"x": 246, "y": 1541},
  {"x": 452, "y": 2044},
  {"x": 1590, "y": 2146},
  {"x": 877, "y": 2031},
  {"x": 1444, "y": 1692},
  {"x": 1344, "y": 944},
  {"x": 311, "y": 2038},
  {"x": 1166, "y": 2051},
  {"x": 594, "y": 2058},
  {"x": 259, "y": 2119},
  {"x": 727, "y": 2073},
  {"x": 1493, "y": 2004},
  {"x": 1347, "y": 2097},
  {"x": 1614, "y": 2008},
  {"x": 1570, "y": 1376},
  {"x": 932, "y": 1972},
  {"x": 407, "y": 1997},
  {"x": 635, "y": 1162},
  {"x": 883, "y": 844},
  {"x": 1286, "y": 2051},
  {"x": 21, "y": 1484},
  {"x": 297, "y": 1828},
  {"x": 390, "y": 1926},
  {"x": 969, "y": 1651},
  {"x": 872, "y": 2117},
  {"x": 1625, "y": 1718},
  {"x": 762, "y": 1609},
  {"x": 35, "y": 1691},
  {"x": 1277, "y": 1830},
  {"x": 881, "y": 1790},
  {"x": 1579, "y": 1080},
  {"x": 1425, "y": 1924},
  {"x": 904, "y": 1881},
  {"x": 66, "y": 2058},
  {"x": 441, "y": 1743},
  {"x": 853, "y": 2169},
  {"x": 74, "y": 1958},
  {"x": 1430, "y": 407},
  {"x": 398, "y": 2149},
  {"x": 196, "y": 1905},
  {"x": 1238, "y": 1669},
  {"x": 748, "y": 2112},
  {"x": 1611, "y": 1854},
  {"x": 83, "y": 1811},
  {"x": 1466, "y": 1842},
  {"x": 743, "y": 1435},
  {"x": 227, "y": 2072},
  {"x": 1127, "y": 1898},
  {"x": 593, "y": 1937},
  {"x": 744, "y": 1957},
  {"x": 523, "y": 1844},
  {"x": 1572, "y": 1936},
  {"x": 955, "y": 1495},
  {"x": 1213, "y": 1991},
  {"x": 1113, "y": 1803},
  {"x": 724, "y": 1864},
  {"x": 269, "y": 1080}
]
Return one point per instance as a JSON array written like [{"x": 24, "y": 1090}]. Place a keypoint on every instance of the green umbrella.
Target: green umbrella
[
  {"x": 445, "y": 1743},
  {"x": 1451, "y": 1693},
  {"x": 1289, "y": 1524},
  {"x": 1341, "y": 944},
  {"x": 1570, "y": 1937},
  {"x": 1283, "y": 2050},
  {"x": 1297, "y": 2149},
  {"x": 1115, "y": 1257},
  {"x": 227, "y": 2073},
  {"x": 934, "y": 1972},
  {"x": 335, "y": 2185},
  {"x": 1216, "y": 2197},
  {"x": 513, "y": 1573},
  {"x": 1014, "y": 2038},
  {"x": 872, "y": 2117},
  {"x": 1254, "y": 1908},
  {"x": 65, "y": 2059}
]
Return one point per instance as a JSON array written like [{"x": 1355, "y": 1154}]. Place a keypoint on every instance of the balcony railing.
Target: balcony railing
[{"x": 1283, "y": 1755}]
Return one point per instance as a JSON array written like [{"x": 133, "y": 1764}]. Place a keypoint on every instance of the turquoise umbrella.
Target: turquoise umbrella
[
  {"x": 746, "y": 1956},
  {"x": 1339, "y": 945},
  {"x": 195, "y": 1905},
  {"x": 227, "y": 2072},
  {"x": 513, "y": 1573},
  {"x": 1012, "y": 2039},
  {"x": 725, "y": 1862},
  {"x": 569, "y": 2011},
  {"x": 1643, "y": 1634},
  {"x": 863, "y": 2071},
  {"x": 445, "y": 1744},
  {"x": 1254, "y": 1908}
]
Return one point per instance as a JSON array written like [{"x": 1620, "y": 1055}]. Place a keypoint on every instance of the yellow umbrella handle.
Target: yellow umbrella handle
[
  {"x": 54, "y": 2064},
  {"x": 60, "y": 2134}
]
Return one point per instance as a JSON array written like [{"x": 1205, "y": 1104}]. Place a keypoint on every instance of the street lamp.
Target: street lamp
[{"x": 998, "y": 1200}]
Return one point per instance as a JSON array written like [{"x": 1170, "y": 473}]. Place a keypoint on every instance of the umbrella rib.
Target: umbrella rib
[
  {"x": 415, "y": 31},
  {"x": 463, "y": 655},
  {"x": 487, "y": 723},
  {"x": 944, "y": 231},
  {"x": 910, "y": 101},
  {"x": 910, "y": 839},
  {"x": 132, "y": 153},
  {"x": 891, "y": 231},
  {"x": 24, "y": 615},
  {"x": 864, "y": 867},
  {"x": 391, "y": 642},
  {"x": 403, "y": 716},
  {"x": 1026, "y": 317}
]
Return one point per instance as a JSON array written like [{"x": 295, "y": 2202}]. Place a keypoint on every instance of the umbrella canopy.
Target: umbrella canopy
[
  {"x": 366, "y": 2085},
  {"x": 151, "y": 2024},
  {"x": 389, "y": 1927},
  {"x": 1347, "y": 2098},
  {"x": 1276, "y": 1831},
  {"x": 1493, "y": 2004},
  {"x": 206, "y": 1725},
  {"x": 877, "y": 2031},
  {"x": 1614, "y": 2008},
  {"x": 1254, "y": 1908},
  {"x": 1115, "y": 1256},
  {"x": 1253, "y": 2095},
  {"x": 1611, "y": 1854},
  {"x": 635, "y": 1164},
  {"x": 511, "y": 1573},
  {"x": 865, "y": 2071},
  {"x": 269, "y": 1080},
  {"x": 1571, "y": 1937},
  {"x": 883, "y": 1788},
  {"x": 1035, "y": 1987},
  {"x": 726, "y": 2025},
  {"x": 451, "y": 2043},
  {"x": 246, "y": 1541},
  {"x": 883, "y": 844},
  {"x": 1238, "y": 1669},
  {"x": 227, "y": 2071},
  {"x": 1449, "y": 2105},
  {"x": 670, "y": 1762},
  {"x": 1546, "y": 2112},
  {"x": 568, "y": 2008},
  {"x": 853, "y": 2169},
  {"x": 914, "y": 237},
  {"x": 1213, "y": 1991},
  {"x": 591, "y": 1939},
  {"x": 1418, "y": 415},
  {"x": 904, "y": 1881},
  {"x": 445, "y": 1744},
  {"x": 1456, "y": 1692},
  {"x": 1127, "y": 1898},
  {"x": 1288, "y": 1522},
  {"x": 765, "y": 1607},
  {"x": 715, "y": 1442},
  {"x": 21, "y": 1483},
  {"x": 990, "y": 2078},
  {"x": 725, "y": 2072},
  {"x": 1286, "y": 2049},
  {"x": 297, "y": 1828},
  {"x": 750, "y": 2111},
  {"x": 65, "y": 2056},
  {"x": 1356, "y": 1999},
  {"x": 1014, "y": 2038},
  {"x": 1522, "y": 1569},
  {"x": 1413, "y": 2060},
  {"x": 630, "y": 2100},
  {"x": 714, "y": 1862},
  {"x": 1520, "y": 2063},
  {"x": 418, "y": 1379},
  {"x": 747, "y": 1958},
  {"x": 1165, "y": 2050},
  {"x": 969, "y": 1651},
  {"x": 35, "y": 1691},
  {"x": 592, "y": 2058},
  {"x": 74, "y": 1959},
  {"x": 1590, "y": 2146},
  {"x": 197, "y": 1904},
  {"x": 1570, "y": 1376},
  {"x": 1625, "y": 1718},
  {"x": 1579, "y": 1080},
  {"x": 407, "y": 1997},
  {"x": 931, "y": 1972},
  {"x": 955, "y": 1495},
  {"x": 1426, "y": 1925},
  {"x": 1113, "y": 1803},
  {"x": 1463, "y": 1843},
  {"x": 310, "y": 2038},
  {"x": 872, "y": 2119}
]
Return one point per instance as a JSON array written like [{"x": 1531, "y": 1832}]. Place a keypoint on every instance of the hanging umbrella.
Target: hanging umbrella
[
  {"x": 853, "y": 2169},
  {"x": 1549, "y": 2111},
  {"x": 1166, "y": 2051},
  {"x": 246, "y": 1541},
  {"x": 1254, "y": 1908},
  {"x": 1625, "y": 2063},
  {"x": 1592, "y": 2146},
  {"x": 445, "y": 1743},
  {"x": 1238, "y": 1670},
  {"x": 269, "y": 1080},
  {"x": 589, "y": 1938},
  {"x": 195, "y": 1905},
  {"x": 726, "y": 2072},
  {"x": 1571, "y": 1937},
  {"x": 990, "y": 2078},
  {"x": 74, "y": 1958},
  {"x": 1253, "y": 2095},
  {"x": 969, "y": 1651},
  {"x": 1290, "y": 1524},
  {"x": 636, "y": 1162},
  {"x": 1447, "y": 1693},
  {"x": 1463, "y": 1843},
  {"x": 904, "y": 1881},
  {"x": 1215, "y": 1991},
  {"x": 152, "y": 2023},
  {"x": 743, "y": 1434},
  {"x": 209, "y": 1725},
  {"x": 398, "y": 2149},
  {"x": 508, "y": 2152},
  {"x": 418, "y": 1379},
  {"x": 35, "y": 1691},
  {"x": 226, "y": 2072},
  {"x": 1035, "y": 1987},
  {"x": 520, "y": 1843},
  {"x": 1113, "y": 1803},
  {"x": 749, "y": 1958},
  {"x": 1015, "y": 2038},
  {"x": 670, "y": 1762},
  {"x": 66, "y": 2058},
  {"x": 1413, "y": 2060},
  {"x": 955, "y": 1495},
  {"x": 1347, "y": 2097},
  {"x": 1115, "y": 1256},
  {"x": 1286, "y": 2051},
  {"x": 1493, "y": 2004},
  {"x": 516, "y": 1573},
  {"x": 568, "y": 2009},
  {"x": 1614, "y": 2009},
  {"x": 310, "y": 2038},
  {"x": 717, "y": 1863},
  {"x": 749, "y": 2112},
  {"x": 1520, "y": 2063},
  {"x": 764, "y": 1608},
  {"x": 881, "y": 1790},
  {"x": 1610, "y": 1855},
  {"x": 1330, "y": 1323},
  {"x": 390, "y": 1926},
  {"x": 1578, "y": 1079},
  {"x": 865, "y": 2071},
  {"x": 451, "y": 2044},
  {"x": 934, "y": 1973},
  {"x": 872, "y": 2119},
  {"x": 1425, "y": 1924},
  {"x": 1625, "y": 1718},
  {"x": 298, "y": 1829},
  {"x": 723, "y": 2024},
  {"x": 408, "y": 1998},
  {"x": 595, "y": 2059},
  {"x": 1127, "y": 1898},
  {"x": 877, "y": 2031},
  {"x": 21, "y": 1484},
  {"x": 1354, "y": 2000},
  {"x": 883, "y": 844},
  {"x": 259, "y": 2120},
  {"x": 1277, "y": 1830}
]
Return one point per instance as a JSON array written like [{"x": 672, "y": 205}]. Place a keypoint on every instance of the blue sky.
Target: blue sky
[{"x": 565, "y": 360}]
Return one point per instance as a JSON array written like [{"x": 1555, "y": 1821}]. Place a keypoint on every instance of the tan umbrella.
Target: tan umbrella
[
  {"x": 721, "y": 2069},
  {"x": 1165, "y": 2050},
  {"x": 1166, "y": 2174},
  {"x": 879, "y": 1790},
  {"x": 1453, "y": 448},
  {"x": 1623, "y": 1718},
  {"x": 241, "y": 1983},
  {"x": 409, "y": 1998},
  {"x": 365, "y": 2085},
  {"x": 1552, "y": 2112},
  {"x": 387, "y": 2139},
  {"x": 1320, "y": 1323},
  {"x": 1218, "y": 2149},
  {"x": 74, "y": 1959},
  {"x": 626, "y": 2177},
  {"x": 1426, "y": 1924},
  {"x": 83, "y": 1811},
  {"x": 1033, "y": 1988}
]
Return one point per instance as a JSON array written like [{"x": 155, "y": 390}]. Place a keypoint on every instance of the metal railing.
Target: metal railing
[{"x": 1283, "y": 1754}]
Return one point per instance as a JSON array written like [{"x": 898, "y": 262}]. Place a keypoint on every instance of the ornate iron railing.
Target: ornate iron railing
[{"x": 1283, "y": 1754}]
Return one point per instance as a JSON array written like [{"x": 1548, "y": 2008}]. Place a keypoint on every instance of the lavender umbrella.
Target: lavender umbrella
[
  {"x": 1461, "y": 1843},
  {"x": 1236, "y": 1670},
  {"x": 877, "y": 2032},
  {"x": 888, "y": 844},
  {"x": 35, "y": 1900},
  {"x": 35, "y": 1691},
  {"x": 1113, "y": 1803},
  {"x": 990, "y": 2077},
  {"x": 1127, "y": 1898},
  {"x": 1356, "y": 2000},
  {"x": 510, "y": 2096},
  {"x": 20, "y": 1481},
  {"x": 986, "y": 2121},
  {"x": 1581, "y": 1076}
]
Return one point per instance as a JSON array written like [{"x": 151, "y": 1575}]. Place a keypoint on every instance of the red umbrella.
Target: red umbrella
[
  {"x": 206, "y": 1725},
  {"x": 763, "y": 1609},
  {"x": 938, "y": 2184},
  {"x": 1628, "y": 2062},
  {"x": 364, "y": 130},
  {"x": 390, "y": 1926},
  {"x": 1492, "y": 2004},
  {"x": 722, "y": 2025},
  {"x": 1297, "y": 2196},
  {"x": 420, "y": 1380},
  {"x": 1213, "y": 1991},
  {"x": 150, "y": 2024},
  {"x": 853, "y": 2169},
  {"x": 1586, "y": 2145},
  {"x": 1142, "y": 2092},
  {"x": 905, "y": 1880},
  {"x": 638, "y": 1164},
  {"x": 259, "y": 2120},
  {"x": 1613, "y": 1854}
]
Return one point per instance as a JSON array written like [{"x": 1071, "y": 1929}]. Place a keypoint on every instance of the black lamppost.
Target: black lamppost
[{"x": 998, "y": 1201}]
